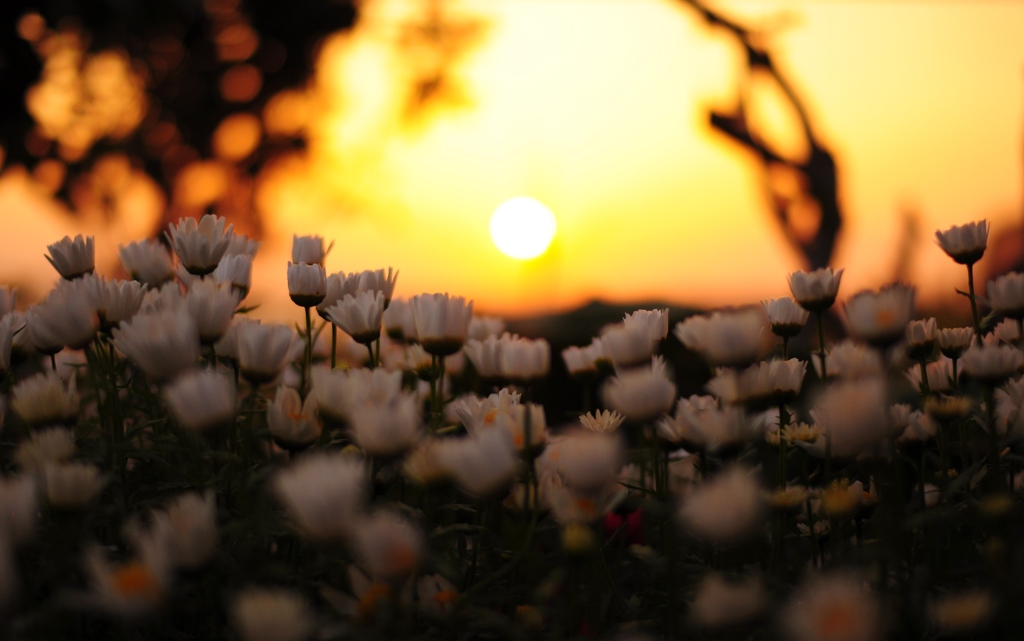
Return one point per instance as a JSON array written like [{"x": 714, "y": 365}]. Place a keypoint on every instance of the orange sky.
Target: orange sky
[{"x": 597, "y": 108}]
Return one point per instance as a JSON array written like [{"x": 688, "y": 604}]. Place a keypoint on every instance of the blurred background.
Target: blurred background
[{"x": 676, "y": 151}]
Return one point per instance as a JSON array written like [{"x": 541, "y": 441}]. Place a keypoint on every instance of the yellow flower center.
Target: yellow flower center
[{"x": 135, "y": 580}]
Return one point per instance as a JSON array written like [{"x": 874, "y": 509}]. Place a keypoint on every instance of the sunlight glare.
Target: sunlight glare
[{"x": 522, "y": 227}]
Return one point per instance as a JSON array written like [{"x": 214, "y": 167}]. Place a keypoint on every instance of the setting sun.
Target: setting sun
[{"x": 522, "y": 227}]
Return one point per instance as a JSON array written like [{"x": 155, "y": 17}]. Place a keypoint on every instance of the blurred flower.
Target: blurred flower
[
  {"x": 880, "y": 318},
  {"x": 359, "y": 316},
  {"x": 815, "y": 291},
  {"x": 442, "y": 322},
  {"x": 271, "y": 614},
  {"x": 586, "y": 460},
  {"x": 307, "y": 284},
  {"x": 726, "y": 509},
  {"x": 133, "y": 588},
  {"x": 45, "y": 399},
  {"x": 264, "y": 349},
  {"x": 482, "y": 464},
  {"x": 1006, "y": 295},
  {"x": 242, "y": 245},
  {"x": 293, "y": 425},
  {"x": 436, "y": 595},
  {"x": 991, "y": 364},
  {"x": 372, "y": 281},
  {"x": 190, "y": 524},
  {"x": 72, "y": 486},
  {"x": 147, "y": 261},
  {"x": 572, "y": 506},
  {"x": 167, "y": 297},
  {"x": 399, "y": 321},
  {"x": 65, "y": 318},
  {"x": 640, "y": 394},
  {"x": 51, "y": 445},
  {"x": 8, "y": 299},
  {"x": 480, "y": 327},
  {"x": 910, "y": 425},
  {"x": 235, "y": 270},
  {"x": 725, "y": 339},
  {"x": 964, "y": 243},
  {"x": 853, "y": 415},
  {"x": 202, "y": 400},
  {"x": 850, "y": 360},
  {"x": 212, "y": 305},
  {"x": 629, "y": 345},
  {"x": 920, "y": 337},
  {"x": 423, "y": 465},
  {"x": 954, "y": 342},
  {"x": 1006, "y": 331},
  {"x": 389, "y": 429},
  {"x": 73, "y": 258},
  {"x": 200, "y": 246},
  {"x": 388, "y": 546},
  {"x": 322, "y": 494},
  {"x": 785, "y": 317},
  {"x": 1009, "y": 401},
  {"x": 832, "y": 608},
  {"x": 339, "y": 392},
  {"x": 962, "y": 613},
  {"x": 309, "y": 250},
  {"x": 723, "y": 604},
  {"x": 700, "y": 424},
  {"x": 510, "y": 358},
  {"x": 766, "y": 384},
  {"x": 161, "y": 344},
  {"x": 947, "y": 409},
  {"x": 940, "y": 375},
  {"x": 602, "y": 420},
  {"x": 582, "y": 362},
  {"x": 115, "y": 301}
]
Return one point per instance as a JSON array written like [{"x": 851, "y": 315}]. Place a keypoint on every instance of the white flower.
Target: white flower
[
  {"x": 52, "y": 445},
  {"x": 372, "y": 281},
  {"x": 399, "y": 322},
  {"x": 921, "y": 335},
  {"x": 45, "y": 399},
  {"x": 1006, "y": 331},
  {"x": 309, "y": 249},
  {"x": 652, "y": 321},
  {"x": 1006, "y": 295},
  {"x": 726, "y": 509},
  {"x": 190, "y": 524},
  {"x": 815, "y": 291},
  {"x": 265, "y": 349},
  {"x": 388, "y": 546},
  {"x": 766, "y": 384},
  {"x": 73, "y": 258},
  {"x": 853, "y": 415},
  {"x": 339, "y": 392},
  {"x": 964, "y": 243},
  {"x": 573, "y": 506},
  {"x": 19, "y": 503},
  {"x": 242, "y": 245},
  {"x": 72, "y": 486},
  {"x": 911, "y": 425},
  {"x": 294, "y": 425},
  {"x": 147, "y": 261},
  {"x": 322, "y": 494},
  {"x": 880, "y": 318},
  {"x": 722, "y": 604},
  {"x": 115, "y": 301},
  {"x": 785, "y": 317},
  {"x": 582, "y": 362},
  {"x": 65, "y": 318},
  {"x": 586, "y": 460},
  {"x": 359, "y": 316},
  {"x": 442, "y": 322},
  {"x": 212, "y": 305},
  {"x": 480, "y": 327},
  {"x": 161, "y": 344},
  {"x": 133, "y": 588},
  {"x": 271, "y": 614},
  {"x": 848, "y": 359},
  {"x": 235, "y": 270},
  {"x": 202, "y": 399},
  {"x": 200, "y": 246},
  {"x": 479, "y": 413},
  {"x": 991, "y": 364},
  {"x": 482, "y": 464},
  {"x": 628, "y": 345},
  {"x": 167, "y": 298},
  {"x": 832, "y": 608},
  {"x": 8, "y": 299},
  {"x": 725, "y": 339},
  {"x": 387, "y": 430},
  {"x": 940, "y": 375},
  {"x": 510, "y": 357},
  {"x": 640, "y": 394},
  {"x": 699, "y": 423},
  {"x": 602, "y": 420},
  {"x": 307, "y": 284},
  {"x": 954, "y": 342},
  {"x": 436, "y": 595}
]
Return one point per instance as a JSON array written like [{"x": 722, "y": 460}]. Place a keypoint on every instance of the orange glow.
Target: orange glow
[{"x": 599, "y": 109}]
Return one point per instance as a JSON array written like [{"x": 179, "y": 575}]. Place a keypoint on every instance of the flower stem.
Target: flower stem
[
  {"x": 974, "y": 302},
  {"x": 925, "y": 387},
  {"x": 308, "y": 364},
  {"x": 334, "y": 346},
  {"x": 821, "y": 345}
]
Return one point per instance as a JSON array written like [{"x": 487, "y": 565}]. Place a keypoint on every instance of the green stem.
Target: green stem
[
  {"x": 925, "y": 389},
  {"x": 974, "y": 303},
  {"x": 821, "y": 345}
]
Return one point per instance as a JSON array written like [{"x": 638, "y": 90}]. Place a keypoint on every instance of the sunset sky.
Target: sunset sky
[{"x": 598, "y": 109}]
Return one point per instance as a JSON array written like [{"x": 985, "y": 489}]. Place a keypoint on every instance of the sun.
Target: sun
[{"x": 522, "y": 227}]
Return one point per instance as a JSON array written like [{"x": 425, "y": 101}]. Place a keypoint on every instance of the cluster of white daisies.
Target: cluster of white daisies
[{"x": 424, "y": 392}]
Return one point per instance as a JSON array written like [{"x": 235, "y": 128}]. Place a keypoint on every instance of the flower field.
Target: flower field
[{"x": 174, "y": 469}]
